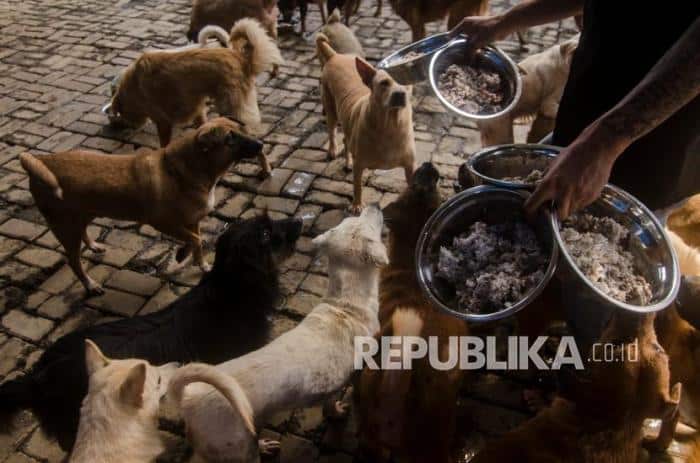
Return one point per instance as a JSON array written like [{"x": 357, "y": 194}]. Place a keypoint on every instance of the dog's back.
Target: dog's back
[{"x": 341, "y": 37}]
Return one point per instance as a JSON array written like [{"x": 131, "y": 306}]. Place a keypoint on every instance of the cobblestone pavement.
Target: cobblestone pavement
[{"x": 57, "y": 58}]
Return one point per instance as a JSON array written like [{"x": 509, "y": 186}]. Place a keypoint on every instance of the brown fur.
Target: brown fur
[
  {"x": 374, "y": 111},
  {"x": 410, "y": 414},
  {"x": 350, "y": 8},
  {"x": 174, "y": 87},
  {"x": 288, "y": 7},
  {"x": 225, "y": 13},
  {"x": 685, "y": 221},
  {"x": 598, "y": 418},
  {"x": 170, "y": 188},
  {"x": 419, "y": 12}
]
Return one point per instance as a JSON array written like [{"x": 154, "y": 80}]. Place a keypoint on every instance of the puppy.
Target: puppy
[
  {"x": 543, "y": 76},
  {"x": 223, "y": 317},
  {"x": 119, "y": 417},
  {"x": 287, "y": 8},
  {"x": 409, "y": 414},
  {"x": 225, "y": 13},
  {"x": 173, "y": 87},
  {"x": 374, "y": 111},
  {"x": 341, "y": 37},
  {"x": 350, "y": 7},
  {"x": 302, "y": 367},
  {"x": 171, "y": 189},
  {"x": 599, "y": 415},
  {"x": 419, "y": 12}
]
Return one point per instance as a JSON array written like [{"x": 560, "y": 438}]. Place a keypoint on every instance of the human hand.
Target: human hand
[
  {"x": 480, "y": 31},
  {"x": 578, "y": 175}
]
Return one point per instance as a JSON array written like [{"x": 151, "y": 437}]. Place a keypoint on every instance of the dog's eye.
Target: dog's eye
[
  {"x": 265, "y": 238},
  {"x": 385, "y": 83}
]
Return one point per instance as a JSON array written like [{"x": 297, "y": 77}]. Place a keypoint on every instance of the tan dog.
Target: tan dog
[
  {"x": 419, "y": 12},
  {"x": 598, "y": 418},
  {"x": 119, "y": 416},
  {"x": 341, "y": 37},
  {"x": 171, "y": 189},
  {"x": 374, "y": 111},
  {"x": 225, "y": 13},
  {"x": 409, "y": 414},
  {"x": 685, "y": 221},
  {"x": 543, "y": 76},
  {"x": 174, "y": 87}
]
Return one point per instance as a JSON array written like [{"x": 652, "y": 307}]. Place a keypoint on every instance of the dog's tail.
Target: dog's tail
[
  {"x": 324, "y": 51},
  {"x": 38, "y": 169},
  {"x": 260, "y": 47},
  {"x": 334, "y": 17},
  {"x": 15, "y": 395},
  {"x": 213, "y": 31},
  {"x": 225, "y": 384}
]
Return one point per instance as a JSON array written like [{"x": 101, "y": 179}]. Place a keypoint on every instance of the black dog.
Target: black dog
[{"x": 226, "y": 315}]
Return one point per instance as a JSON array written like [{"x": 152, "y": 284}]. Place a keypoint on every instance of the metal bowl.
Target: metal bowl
[
  {"x": 492, "y": 165},
  {"x": 489, "y": 58},
  {"x": 414, "y": 70},
  {"x": 491, "y": 205},
  {"x": 653, "y": 253}
]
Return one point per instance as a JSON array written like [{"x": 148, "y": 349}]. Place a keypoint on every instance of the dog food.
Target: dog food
[
  {"x": 492, "y": 266},
  {"x": 534, "y": 176},
  {"x": 410, "y": 56},
  {"x": 472, "y": 90},
  {"x": 600, "y": 249}
]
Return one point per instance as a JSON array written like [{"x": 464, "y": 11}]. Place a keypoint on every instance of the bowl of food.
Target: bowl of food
[
  {"x": 616, "y": 254},
  {"x": 480, "y": 260},
  {"x": 484, "y": 86},
  {"x": 107, "y": 109},
  {"x": 518, "y": 166},
  {"x": 410, "y": 64}
]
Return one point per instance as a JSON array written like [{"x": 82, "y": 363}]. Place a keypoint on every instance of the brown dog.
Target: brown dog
[
  {"x": 288, "y": 6},
  {"x": 409, "y": 414},
  {"x": 174, "y": 87},
  {"x": 374, "y": 111},
  {"x": 419, "y": 12},
  {"x": 599, "y": 416},
  {"x": 171, "y": 189},
  {"x": 225, "y": 13},
  {"x": 685, "y": 221}
]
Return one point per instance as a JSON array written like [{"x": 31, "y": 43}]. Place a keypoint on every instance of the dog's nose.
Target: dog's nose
[
  {"x": 252, "y": 146},
  {"x": 398, "y": 100}
]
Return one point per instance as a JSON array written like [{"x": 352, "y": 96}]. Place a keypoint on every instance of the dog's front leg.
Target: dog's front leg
[
  {"x": 92, "y": 244},
  {"x": 356, "y": 206},
  {"x": 265, "y": 164}
]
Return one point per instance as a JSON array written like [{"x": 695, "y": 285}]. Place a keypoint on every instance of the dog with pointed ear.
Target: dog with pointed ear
[{"x": 123, "y": 394}]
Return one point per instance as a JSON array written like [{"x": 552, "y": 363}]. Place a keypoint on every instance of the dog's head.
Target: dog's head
[
  {"x": 385, "y": 90},
  {"x": 124, "y": 109},
  {"x": 356, "y": 242},
  {"x": 124, "y": 388},
  {"x": 219, "y": 143},
  {"x": 252, "y": 250}
]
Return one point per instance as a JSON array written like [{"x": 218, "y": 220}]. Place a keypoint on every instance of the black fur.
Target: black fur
[{"x": 226, "y": 315}]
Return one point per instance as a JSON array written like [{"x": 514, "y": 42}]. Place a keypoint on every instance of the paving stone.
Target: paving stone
[
  {"x": 117, "y": 302},
  {"x": 315, "y": 284},
  {"x": 302, "y": 303},
  {"x": 10, "y": 353},
  {"x": 17, "y": 228},
  {"x": 298, "y": 184},
  {"x": 159, "y": 301},
  {"x": 9, "y": 246},
  {"x": 39, "y": 257},
  {"x": 235, "y": 206},
  {"x": 133, "y": 282},
  {"x": 26, "y": 326},
  {"x": 41, "y": 447},
  {"x": 286, "y": 206},
  {"x": 328, "y": 220},
  {"x": 297, "y": 450},
  {"x": 273, "y": 184}
]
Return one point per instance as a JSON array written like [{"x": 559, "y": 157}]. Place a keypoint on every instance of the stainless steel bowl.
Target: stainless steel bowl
[
  {"x": 653, "y": 253},
  {"x": 415, "y": 70},
  {"x": 492, "y": 165},
  {"x": 489, "y": 58},
  {"x": 491, "y": 205}
]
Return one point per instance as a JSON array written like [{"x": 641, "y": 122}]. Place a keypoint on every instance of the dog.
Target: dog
[
  {"x": 684, "y": 220},
  {"x": 225, "y": 13},
  {"x": 287, "y": 8},
  {"x": 341, "y": 37},
  {"x": 599, "y": 414},
  {"x": 304, "y": 366},
  {"x": 350, "y": 7},
  {"x": 119, "y": 416},
  {"x": 419, "y": 12},
  {"x": 374, "y": 111},
  {"x": 409, "y": 414},
  {"x": 172, "y": 88},
  {"x": 171, "y": 189},
  {"x": 223, "y": 317},
  {"x": 543, "y": 78}
]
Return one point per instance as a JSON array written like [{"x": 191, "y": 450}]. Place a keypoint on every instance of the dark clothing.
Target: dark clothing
[{"x": 620, "y": 43}]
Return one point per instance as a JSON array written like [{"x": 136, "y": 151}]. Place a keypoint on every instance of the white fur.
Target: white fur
[
  {"x": 112, "y": 428},
  {"x": 265, "y": 53},
  {"x": 303, "y": 366}
]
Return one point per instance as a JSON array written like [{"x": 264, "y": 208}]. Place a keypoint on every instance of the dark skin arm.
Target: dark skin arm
[{"x": 581, "y": 170}]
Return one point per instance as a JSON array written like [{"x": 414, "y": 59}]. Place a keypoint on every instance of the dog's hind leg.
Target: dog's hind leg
[
  {"x": 92, "y": 245},
  {"x": 70, "y": 235},
  {"x": 331, "y": 120}
]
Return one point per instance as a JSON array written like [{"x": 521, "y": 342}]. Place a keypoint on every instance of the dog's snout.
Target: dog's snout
[
  {"x": 426, "y": 176},
  {"x": 398, "y": 99}
]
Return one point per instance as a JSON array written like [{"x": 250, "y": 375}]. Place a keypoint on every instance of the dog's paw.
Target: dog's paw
[
  {"x": 355, "y": 209},
  {"x": 336, "y": 409},
  {"x": 269, "y": 447},
  {"x": 94, "y": 289},
  {"x": 96, "y": 247}
]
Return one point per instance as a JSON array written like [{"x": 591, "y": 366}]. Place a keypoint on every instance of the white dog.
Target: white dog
[
  {"x": 544, "y": 76},
  {"x": 304, "y": 366},
  {"x": 119, "y": 416}
]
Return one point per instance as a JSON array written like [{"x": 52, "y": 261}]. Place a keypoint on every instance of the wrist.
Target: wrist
[{"x": 607, "y": 132}]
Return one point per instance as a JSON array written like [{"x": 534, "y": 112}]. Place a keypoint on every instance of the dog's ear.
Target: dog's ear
[
  {"x": 131, "y": 390},
  {"x": 521, "y": 69},
  {"x": 376, "y": 253},
  {"x": 366, "y": 71},
  {"x": 567, "y": 49},
  {"x": 209, "y": 137},
  {"x": 94, "y": 358}
]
